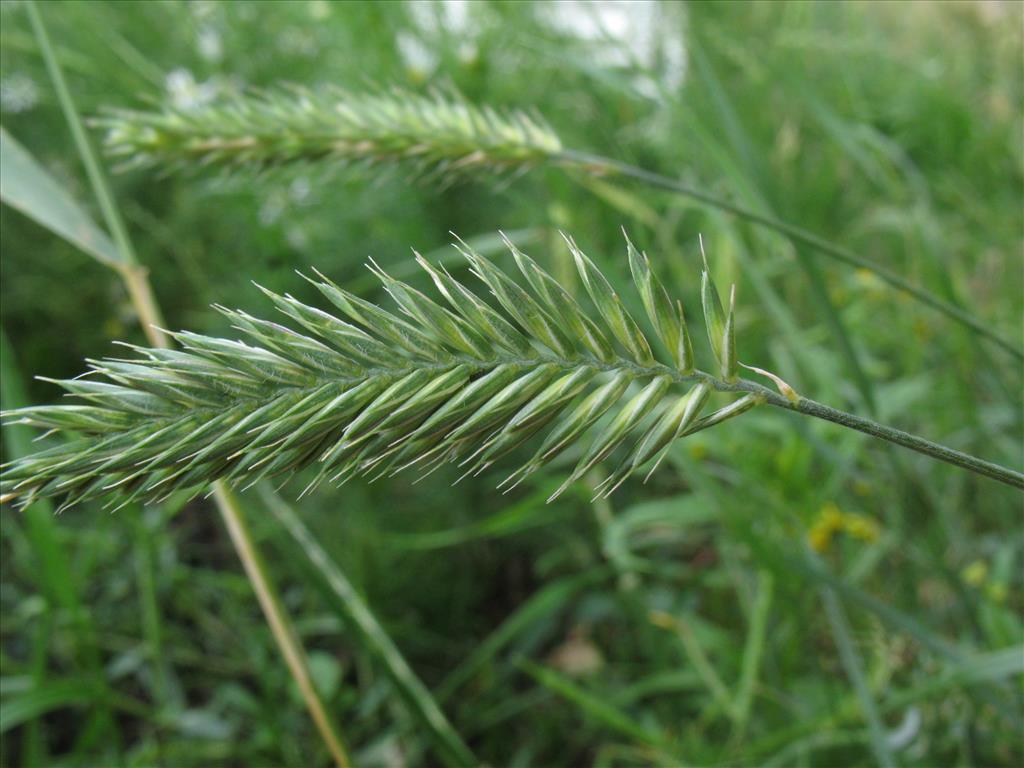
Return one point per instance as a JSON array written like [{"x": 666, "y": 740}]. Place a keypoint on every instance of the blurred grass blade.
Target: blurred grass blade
[
  {"x": 85, "y": 152},
  {"x": 694, "y": 652},
  {"x": 54, "y": 570},
  {"x": 28, "y": 187},
  {"x": 514, "y": 518},
  {"x": 336, "y": 586},
  {"x": 812, "y": 570},
  {"x": 540, "y": 606},
  {"x": 593, "y": 706},
  {"x": 42, "y": 699},
  {"x": 752, "y": 185},
  {"x": 991, "y": 667},
  {"x": 855, "y": 671},
  {"x": 126, "y": 263},
  {"x": 753, "y": 651},
  {"x": 56, "y": 579}
]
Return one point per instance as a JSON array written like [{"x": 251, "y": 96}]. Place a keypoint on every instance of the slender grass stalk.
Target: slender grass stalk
[
  {"x": 605, "y": 165},
  {"x": 854, "y": 669},
  {"x": 284, "y": 633},
  {"x": 921, "y": 445},
  {"x": 753, "y": 650},
  {"x": 141, "y": 295},
  {"x": 700, "y": 662},
  {"x": 131, "y": 272},
  {"x": 145, "y": 565},
  {"x": 451, "y": 748},
  {"x": 439, "y": 137},
  {"x": 597, "y": 708}
]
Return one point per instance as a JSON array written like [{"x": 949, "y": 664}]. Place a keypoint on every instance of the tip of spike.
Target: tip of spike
[{"x": 703, "y": 255}]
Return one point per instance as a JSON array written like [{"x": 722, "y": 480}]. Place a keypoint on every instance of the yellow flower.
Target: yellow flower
[
  {"x": 832, "y": 520},
  {"x": 829, "y": 520},
  {"x": 861, "y": 527},
  {"x": 976, "y": 573},
  {"x": 819, "y": 537}
]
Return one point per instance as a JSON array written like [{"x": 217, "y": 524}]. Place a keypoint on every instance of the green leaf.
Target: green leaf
[
  {"x": 44, "y": 698},
  {"x": 28, "y": 187},
  {"x": 594, "y": 706}
]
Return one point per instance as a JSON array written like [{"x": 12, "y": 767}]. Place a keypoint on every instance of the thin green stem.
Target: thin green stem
[
  {"x": 144, "y": 570},
  {"x": 702, "y": 665},
  {"x": 92, "y": 166},
  {"x": 607, "y": 165},
  {"x": 753, "y": 651},
  {"x": 132, "y": 273},
  {"x": 818, "y": 410},
  {"x": 284, "y": 633},
  {"x": 452, "y": 750},
  {"x": 824, "y": 412},
  {"x": 855, "y": 671}
]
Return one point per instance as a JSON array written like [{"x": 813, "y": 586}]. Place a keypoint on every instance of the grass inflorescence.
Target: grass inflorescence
[
  {"x": 377, "y": 392},
  {"x": 440, "y": 135}
]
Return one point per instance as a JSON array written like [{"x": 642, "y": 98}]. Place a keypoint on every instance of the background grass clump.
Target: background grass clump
[{"x": 780, "y": 593}]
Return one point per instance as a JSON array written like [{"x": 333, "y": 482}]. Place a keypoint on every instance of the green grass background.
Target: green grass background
[{"x": 685, "y": 622}]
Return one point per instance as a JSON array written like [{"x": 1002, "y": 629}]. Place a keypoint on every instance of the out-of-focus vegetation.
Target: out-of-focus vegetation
[{"x": 774, "y": 590}]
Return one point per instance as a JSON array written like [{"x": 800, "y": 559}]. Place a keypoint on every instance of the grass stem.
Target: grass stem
[
  {"x": 607, "y": 165},
  {"x": 282, "y": 629},
  {"x": 855, "y": 671},
  {"x": 452, "y": 750}
]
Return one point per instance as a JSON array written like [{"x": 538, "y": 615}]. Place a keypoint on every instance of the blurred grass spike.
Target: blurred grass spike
[
  {"x": 437, "y": 136},
  {"x": 375, "y": 394}
]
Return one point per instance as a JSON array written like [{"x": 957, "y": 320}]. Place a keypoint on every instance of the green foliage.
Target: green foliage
[
  {"x": 891, "y": 130},
  {"x": 27, "y": 186}
]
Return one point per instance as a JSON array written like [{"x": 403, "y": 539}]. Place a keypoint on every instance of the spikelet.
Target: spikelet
[{"x": 369, "y": 391}]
